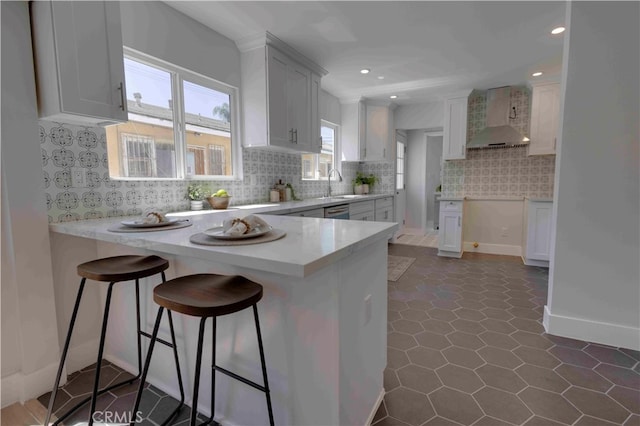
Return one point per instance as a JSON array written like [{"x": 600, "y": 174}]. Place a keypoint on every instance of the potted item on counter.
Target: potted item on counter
[
  {"x": 219, "y": 200},
  {"x": 196, "y": 194},
  {"x": 362, "y": 183}
]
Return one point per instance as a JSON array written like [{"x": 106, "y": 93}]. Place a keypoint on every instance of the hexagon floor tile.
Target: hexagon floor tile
[
  {"x": 473, "y": 352},
  {"x": 493, "y": 364}
]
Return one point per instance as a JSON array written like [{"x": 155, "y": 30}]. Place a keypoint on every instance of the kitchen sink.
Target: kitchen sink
[{"x": 348, "y": 197}]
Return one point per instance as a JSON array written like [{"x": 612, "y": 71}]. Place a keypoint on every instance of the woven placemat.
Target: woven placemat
[
  {"x": 177, "y": 225},
  {"x": 206, "y": 240}
]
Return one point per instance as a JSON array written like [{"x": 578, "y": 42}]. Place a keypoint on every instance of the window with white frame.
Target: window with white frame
[
  {"x": 317, "y": 166},
  {"x": 400, "y": 161},
  {"x": 181, "y": 125}
]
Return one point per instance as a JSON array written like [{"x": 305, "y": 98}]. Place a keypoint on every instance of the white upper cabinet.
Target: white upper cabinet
[
  {"x": 545, "y": 112},
  {"x": 367, "y": 131},
  {"x": 281, "y": 97},
  {"x": 79, "y": 61},
  {"x": 454, "y": 140}
]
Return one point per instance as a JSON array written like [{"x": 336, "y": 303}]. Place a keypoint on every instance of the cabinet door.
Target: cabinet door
[
  {"x": 316, "y": 139},
  {"x": 454, "y": 138},
  {"x": 384, "y": 214},
  {"x": 280, "y": 132},
  {"x": 450, "y": 236},
  {"x": 545, "y": 108},
  {"x": 539, "y": 230},
  {"x": 366, "y": 216},
  {"x": 298, "y": 102},
  {"x": 377, "y": 132},
  {"x": 88, "y": 48}
]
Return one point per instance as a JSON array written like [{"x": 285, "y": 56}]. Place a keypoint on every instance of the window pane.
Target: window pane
[
  {"x": 400, "y": 165},
  {"x": 400, "y": 149},
  {"x": 144, "y": 147},
  {"x": 317, "y": 166},
  {"x": 208, "y": 129},
  {"x": 400, "y": 168},
  {"x": 399, "y": 181}
]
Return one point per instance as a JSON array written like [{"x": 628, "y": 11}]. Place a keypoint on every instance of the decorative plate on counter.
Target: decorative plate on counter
[
  {"x": 219, "y": 233},
  {"x": 139, "y": 224}
]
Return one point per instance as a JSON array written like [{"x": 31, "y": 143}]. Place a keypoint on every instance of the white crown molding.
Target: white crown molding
[
  {"x": 256, "y": 41},
  {"x": 542, "y": 81}
]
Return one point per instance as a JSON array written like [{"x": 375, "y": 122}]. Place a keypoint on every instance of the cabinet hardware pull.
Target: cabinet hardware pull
[
  {"x": 384, "y": 153},
  {"x": 122, "y": 96},
  {"x": 554, "y": 143},
  {"x": 291, "y": 135},
  {"x": 459, "y": 221},
  {"x": 295, "y": 132}
]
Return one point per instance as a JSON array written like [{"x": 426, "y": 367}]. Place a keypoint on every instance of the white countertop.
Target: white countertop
[{"x": 310, "y": 243}]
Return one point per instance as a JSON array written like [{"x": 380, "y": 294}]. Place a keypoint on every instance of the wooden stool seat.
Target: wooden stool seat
[
  {"x": 122, "y": 268},
  {"x": 207, "y": 295}
]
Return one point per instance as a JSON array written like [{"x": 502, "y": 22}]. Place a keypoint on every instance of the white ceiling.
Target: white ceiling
[{"x": 423, "y": 49}]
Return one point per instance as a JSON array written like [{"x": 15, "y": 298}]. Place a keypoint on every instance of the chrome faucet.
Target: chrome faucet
[{"x": 329, "y": 177}]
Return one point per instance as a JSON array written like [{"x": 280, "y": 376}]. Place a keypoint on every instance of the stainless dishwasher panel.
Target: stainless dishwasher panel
[{"x": 337, "y": 212}]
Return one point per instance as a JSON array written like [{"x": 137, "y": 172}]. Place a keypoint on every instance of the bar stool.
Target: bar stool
[
  {"x": 208, "y": 296},
  {"x": 114, "y": 270}
]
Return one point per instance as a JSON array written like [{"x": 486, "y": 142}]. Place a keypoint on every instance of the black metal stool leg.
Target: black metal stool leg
[
  {"x": 64, "y": 352},
  {"x": 145, "y": 369},
  {"x": 264, "y": 365},
  {"x": 196, "y": 380},
  {"x": 213, "y": 374},
  {"x": 175, "y": 356},
  {"x": 138, "y": 328},
  {"x": 103, "y": 335}
]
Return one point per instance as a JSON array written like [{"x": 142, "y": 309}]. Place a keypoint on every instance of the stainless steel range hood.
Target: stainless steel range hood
[{"x": 498, "y": 132}]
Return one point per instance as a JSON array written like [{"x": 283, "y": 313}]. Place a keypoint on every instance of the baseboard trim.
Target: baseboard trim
[
  {"x": 504, "y": 249},
  {"x": 533, "y": 262},
  {"x": 591, "y": 331},
  {"x": 20, "y": 387},
  {"x": 375, "y": 407}
]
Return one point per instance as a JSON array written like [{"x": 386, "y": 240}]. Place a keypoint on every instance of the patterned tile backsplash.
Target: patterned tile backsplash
[
  {"x": 502, "y": 172},
  {"x": 499, "y": 172},
  {"x": 65, "y": 146}
]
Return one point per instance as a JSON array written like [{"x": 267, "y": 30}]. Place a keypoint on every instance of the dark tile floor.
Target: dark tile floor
[{"x": 465, "y": 347}]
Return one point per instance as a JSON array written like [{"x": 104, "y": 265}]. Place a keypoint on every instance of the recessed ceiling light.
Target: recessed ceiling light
[
  {"x": 558, "y": 30},
  {"x": 365, "y": 71},
  {"x": 536, "y": 74},
  {"x": 393, "y": 96},
  {"x": 381, "y": 77}
]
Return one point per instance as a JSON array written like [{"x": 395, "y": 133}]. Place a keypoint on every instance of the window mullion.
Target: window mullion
[{"x": 180, "y": 127}]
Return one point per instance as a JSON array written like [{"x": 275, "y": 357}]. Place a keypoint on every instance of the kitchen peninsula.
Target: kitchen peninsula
[{"x": 323, "y": 313}]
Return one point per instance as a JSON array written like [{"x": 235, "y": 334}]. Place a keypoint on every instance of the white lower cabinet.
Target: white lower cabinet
[
  {"x": 537, "y": 235},
  {"x": 384, "y": 209},
  {"x": 450, "y": 232},
  {"x": 363, "y": 210}
]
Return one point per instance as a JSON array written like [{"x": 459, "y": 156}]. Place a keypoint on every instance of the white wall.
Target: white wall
[
  {"x": 27, "y": 287},
  {"x": 594, "y": 285},
  {"x": 428, "y": 115},
  {"x": 434, "y": 154},
  {"x": 416, "y": 163},
  {"x": 330, "y": 108},
  {"x": 484, "y": 221}
]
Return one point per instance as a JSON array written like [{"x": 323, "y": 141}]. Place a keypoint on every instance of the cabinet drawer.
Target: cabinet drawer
[
  {"x": 368, "y": 216},
  {"x": 384, "y": 214},
  {"x": 451, "y": 206},
  {"x": 384, "y": 202},
  {"x": 361, "y": 207},
  {"x": 309, "y": 213}
]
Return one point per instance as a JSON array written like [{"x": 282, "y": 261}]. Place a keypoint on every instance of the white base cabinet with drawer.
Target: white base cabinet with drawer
[
  {"x": 450, "y": 233},
  {"x": 537, "y": 233},
  {"x": 362, "y": 210},
  {"x": 384, "y": 209}
]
